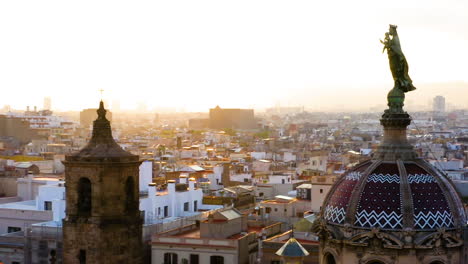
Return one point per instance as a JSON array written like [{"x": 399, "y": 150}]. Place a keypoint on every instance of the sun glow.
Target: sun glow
[{"x": 194, "y": 55}]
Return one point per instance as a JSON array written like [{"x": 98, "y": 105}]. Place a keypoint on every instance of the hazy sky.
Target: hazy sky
[{"x": 197, "y": 54}]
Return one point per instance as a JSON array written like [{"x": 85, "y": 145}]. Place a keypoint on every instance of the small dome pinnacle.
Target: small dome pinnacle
[
  {"x": 101, "y": 144},
  {"x": 101, "y": 111}
]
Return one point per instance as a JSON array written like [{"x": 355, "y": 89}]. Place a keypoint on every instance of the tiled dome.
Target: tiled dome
[
  {"x": 394, "y": 195},
  {"x": 396, "y": 207}
]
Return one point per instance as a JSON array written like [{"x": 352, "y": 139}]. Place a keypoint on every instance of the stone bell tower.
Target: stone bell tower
[{"x": 103, "y": 223}]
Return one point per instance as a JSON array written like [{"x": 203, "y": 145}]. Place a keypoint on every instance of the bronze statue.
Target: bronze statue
[{"x": 397, "y": 60}]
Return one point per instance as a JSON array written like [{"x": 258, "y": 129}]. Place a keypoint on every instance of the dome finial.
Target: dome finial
[{"x": 101, "y": 111}]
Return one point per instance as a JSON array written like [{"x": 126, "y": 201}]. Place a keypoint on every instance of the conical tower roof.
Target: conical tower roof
[
  {"x": 102, "y": 146},
  {"x": 293, "y": 249}
]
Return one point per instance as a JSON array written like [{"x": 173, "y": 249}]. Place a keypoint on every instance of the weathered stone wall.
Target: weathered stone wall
[{"x": 113, "y": 230}]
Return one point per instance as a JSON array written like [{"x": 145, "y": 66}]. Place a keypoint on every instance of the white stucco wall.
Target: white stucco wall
[{"x": 146, "y": 174}]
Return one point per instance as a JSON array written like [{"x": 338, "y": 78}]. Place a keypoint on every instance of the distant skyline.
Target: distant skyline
[{"x": 194, "y": 55}]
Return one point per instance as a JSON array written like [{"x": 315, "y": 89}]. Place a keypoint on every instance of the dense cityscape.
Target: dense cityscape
[
  {"x": 234, "y": 132},
  {"x": 242, "y": 183}
]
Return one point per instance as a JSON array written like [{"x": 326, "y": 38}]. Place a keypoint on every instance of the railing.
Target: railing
[
  {"x": 216, "y": 200},
  {"x": 165, "y": 226},
  {"x": 196, "y": 241}
]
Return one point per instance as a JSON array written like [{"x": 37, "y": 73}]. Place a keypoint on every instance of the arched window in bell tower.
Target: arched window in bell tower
[
  {"x": 129, "y": 195},
  {"x": 329, "y": 259},
  {"x": 84, "y": 196}
]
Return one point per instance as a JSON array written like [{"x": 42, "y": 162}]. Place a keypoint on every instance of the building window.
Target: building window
[
  {"x": 267, "y": 210},
  {"x": 159, "y": 210},
  {"x": 195, "y": 206},
  {"x": 12, "y": 229},
  {"x": 53, "y": 255},
  {"x": 285, "y": 210},
  {"x": 82, "y": 256},
  {"x": 194, "y": 259},
  {"x": 282, "y": 181},
  {"x": 321, "y": 190},
  {"x": 170, "y": 258},
  {"x": 216, "y": 260},
  {"x": 260, "y": 194},
  {"x": 48, "y": 205},
  {"x": 186, "y": 206},
  {"x": 166, "y": 211},
  {"x": 276, "y": 209},
  {"x": 329, "y": 259},
  {"x": 130, "y": 204},
  {"x": 84, "y": 196},
  {"x": 275, "y": 262}
]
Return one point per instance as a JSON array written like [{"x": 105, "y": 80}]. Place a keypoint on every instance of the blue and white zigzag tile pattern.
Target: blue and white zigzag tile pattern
[
  {"x": 432, "y": 220},
  {"x": 431, "y": 208},
  {"x": 335, "y": 210},
  {"x": 381, "y": 178},
  {"x": 335, "y": 214},
  {"x": 421, "y": 178},
  {"x": 383, "y": 220},
  {"x": 379, "y": 203}
]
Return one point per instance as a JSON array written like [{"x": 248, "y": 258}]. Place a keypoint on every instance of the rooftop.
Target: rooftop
[{"x": 23, "y": 205}]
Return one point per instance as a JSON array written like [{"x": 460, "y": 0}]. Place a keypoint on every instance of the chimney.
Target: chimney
[
  {"x": 261, "y": 212},
  {"x": 226, "y": 175},
  {"x": 183, "y": 179},
  {"x": 171, "y": 186},
  {"x": 192, "y": 184},
  {"x": 179, "y": 142},
  {"x": 151, "y": 189}
]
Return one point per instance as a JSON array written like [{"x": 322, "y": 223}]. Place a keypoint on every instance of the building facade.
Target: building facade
[
  {"x": 231, "y": 118},
  {"x": 223, "y": 238}
]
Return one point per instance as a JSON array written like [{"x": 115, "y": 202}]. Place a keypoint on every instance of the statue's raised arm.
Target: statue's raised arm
[{"x": 397, "y": 60}]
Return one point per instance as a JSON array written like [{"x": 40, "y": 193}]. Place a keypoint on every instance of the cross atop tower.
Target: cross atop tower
[{"x": 101, "y": 91}]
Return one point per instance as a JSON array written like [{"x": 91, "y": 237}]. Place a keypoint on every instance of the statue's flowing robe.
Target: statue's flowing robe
[{"x": 399, "y": 66}]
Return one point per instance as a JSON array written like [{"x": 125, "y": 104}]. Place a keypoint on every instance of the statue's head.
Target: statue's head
[{"x": 392, "y": 30}]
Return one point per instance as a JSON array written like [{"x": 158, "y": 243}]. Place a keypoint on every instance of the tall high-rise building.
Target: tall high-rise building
[
  {"x": 103, "y": 222},
  {"x": 47, "y": 103},
  {"x": 438, "y": 104}
]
